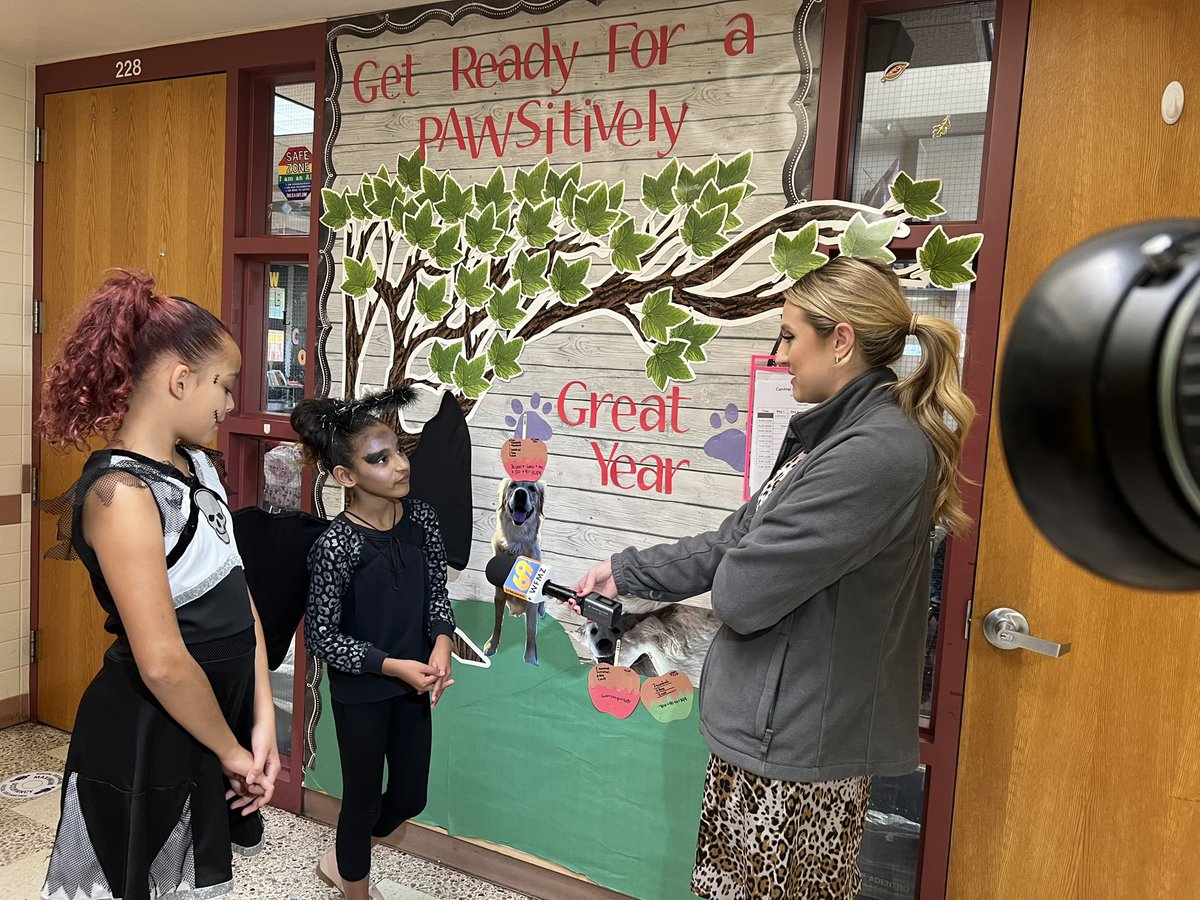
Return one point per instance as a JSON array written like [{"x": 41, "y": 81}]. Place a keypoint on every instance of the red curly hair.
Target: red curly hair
[{"x": 121, "y": 330}]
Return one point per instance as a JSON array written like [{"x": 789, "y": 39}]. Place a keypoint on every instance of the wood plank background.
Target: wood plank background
[
  {"x": 748, "y": 93},
  {"x": 734, "y": 103}
]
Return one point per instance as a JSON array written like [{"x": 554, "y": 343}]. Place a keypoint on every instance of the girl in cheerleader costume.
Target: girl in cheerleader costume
[{"x": 173, "y": 751}]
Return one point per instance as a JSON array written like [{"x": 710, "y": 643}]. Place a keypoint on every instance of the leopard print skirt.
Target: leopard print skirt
[{"x": 779, "y": 839}]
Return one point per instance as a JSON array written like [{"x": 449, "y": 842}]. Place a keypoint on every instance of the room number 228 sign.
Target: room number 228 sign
[{"x": 127, "y": 68}]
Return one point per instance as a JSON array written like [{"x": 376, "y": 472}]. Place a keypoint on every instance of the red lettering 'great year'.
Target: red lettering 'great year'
[
  {"x": 654, "y": 413},
  {"x": 651, "y": 473}
]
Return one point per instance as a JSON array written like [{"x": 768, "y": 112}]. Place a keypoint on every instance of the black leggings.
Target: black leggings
[{"x": 399, "y": 730}]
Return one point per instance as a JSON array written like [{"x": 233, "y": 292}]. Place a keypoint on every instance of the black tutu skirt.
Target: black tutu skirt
[{"x": 144, "y": 813}]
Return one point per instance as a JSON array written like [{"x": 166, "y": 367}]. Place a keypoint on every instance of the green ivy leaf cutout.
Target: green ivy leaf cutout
[
  {"x": 443, "y": 358},
  {"x": 533, "y": 223},
  {"x": 735, "y": 171},
  {"x": 616, "y": 196},
  {"x": 419, "y": 229},
  {"x": 701, "y": 232},
  {"x": 688, "y": 186},
  {"x": 433, "y": 185},
  {"x": 627, "y": 245},
  {"x": 593, "y": 215},
  {"x": 865, "y": 241},
  {"x": 667, "y": 364},
  {"x": 917, "y": 197},
  {"x": 710, "y": 198},
  {"x": 337, "y": 210},
  {"x": 531, "y": 185},
  {"x": 708, "y": 172},
  {"x": 366, "y": 191},
  {"x": 556, "y": 183},
  {"x": 456, "y": 202},
  {"x": 658, "y": 197},
  {"x": 482, "y": 233},
  {"x": 431, "y": 300},
  {"x": 696, "y": 334},
  {"x": 471, "y": 285},
  {"x": 469, "y": 376},
  {"x": 566, "y": 279},
  {"x": 493, "y": 192},
  {"x": 505, "y": 306},
  {"x": 659, "y": 315},
  {"x": 503, "y": 356},
  {"x": 386, "y": 192},
  {"x": 409, "y": 169},
  {"x": 531, "y": 272},
  {"x": 947, "y": 260},
  {"x": 797, "y": 256},
  {"x": 446, "y": 251},
  {"x": 360, "y": 276}
]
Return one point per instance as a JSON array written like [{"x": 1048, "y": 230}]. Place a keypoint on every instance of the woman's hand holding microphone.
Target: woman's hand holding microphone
[{"x": 598, "y": 579}]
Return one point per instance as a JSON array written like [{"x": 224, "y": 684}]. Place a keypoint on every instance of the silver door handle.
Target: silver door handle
[{"x": 1009, "y": 630}]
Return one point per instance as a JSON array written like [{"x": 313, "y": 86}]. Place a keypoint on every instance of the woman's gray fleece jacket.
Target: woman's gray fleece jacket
[{"x": 824, "y": 595}]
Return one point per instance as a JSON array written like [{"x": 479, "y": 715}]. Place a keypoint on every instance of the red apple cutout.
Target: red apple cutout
[
  {"x": 614, "y": 689},
  {"x": 524, "y": 458},
  {"x": 669, "y": 697}
]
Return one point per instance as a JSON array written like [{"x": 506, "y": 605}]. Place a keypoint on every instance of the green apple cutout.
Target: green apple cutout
[{"x": 669, "y": 697}]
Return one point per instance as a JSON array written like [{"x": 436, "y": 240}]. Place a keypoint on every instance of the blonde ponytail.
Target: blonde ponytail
[
  {"x": 933, "y": 399},
  {"x": 866, "y": 295}
]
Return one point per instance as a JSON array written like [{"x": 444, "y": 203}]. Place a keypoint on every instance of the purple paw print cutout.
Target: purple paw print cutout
[
  {"x": 526, "y": 420},
  {"x": 729, "y": 446}
]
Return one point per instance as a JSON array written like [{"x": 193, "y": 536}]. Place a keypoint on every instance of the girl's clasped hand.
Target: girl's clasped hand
[{"x": 430, "y": 678}]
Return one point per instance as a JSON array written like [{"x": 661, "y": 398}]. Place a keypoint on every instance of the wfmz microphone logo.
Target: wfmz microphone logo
[{"x": 526, "y": 578}]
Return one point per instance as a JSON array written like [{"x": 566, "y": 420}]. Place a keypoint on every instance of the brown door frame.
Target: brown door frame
[
  {"x": 838, "y": 110},
  {"x": 245, "y": 60}
]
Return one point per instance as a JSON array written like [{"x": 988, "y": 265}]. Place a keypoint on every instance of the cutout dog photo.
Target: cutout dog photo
[{"x": 520, "y": 510}]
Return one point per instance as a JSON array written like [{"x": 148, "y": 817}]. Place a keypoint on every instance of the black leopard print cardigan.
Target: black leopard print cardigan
[{"x": 331, "y": 565}]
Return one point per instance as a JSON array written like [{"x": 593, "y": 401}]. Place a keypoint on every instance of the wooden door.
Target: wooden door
[
  {"x": 1079, "y": 777},
  {"x": 134, "y": 177}
]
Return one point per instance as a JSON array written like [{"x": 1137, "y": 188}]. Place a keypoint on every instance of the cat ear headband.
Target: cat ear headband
[{"x": 344, "y": 413}]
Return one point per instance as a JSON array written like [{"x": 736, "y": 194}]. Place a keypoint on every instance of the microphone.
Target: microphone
[{"x": 529, "y": 580}]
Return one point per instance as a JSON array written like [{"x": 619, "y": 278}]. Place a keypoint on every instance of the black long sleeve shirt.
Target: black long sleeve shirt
[{"x": 374, "y": 595}]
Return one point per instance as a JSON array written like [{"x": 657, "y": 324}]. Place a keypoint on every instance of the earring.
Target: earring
[{"x": 837, "y": 360}]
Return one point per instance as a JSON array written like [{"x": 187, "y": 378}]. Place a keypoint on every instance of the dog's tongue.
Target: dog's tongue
[{"x": 520, "y": 517}]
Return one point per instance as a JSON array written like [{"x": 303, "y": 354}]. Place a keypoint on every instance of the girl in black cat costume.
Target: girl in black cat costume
[{"x": 379, "y": 617}]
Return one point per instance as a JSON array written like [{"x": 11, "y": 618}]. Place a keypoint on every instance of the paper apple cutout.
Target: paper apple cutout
[
  {"x": 669, "y": 697},
  {"x": 524, "y": 459},
  {"x": 614, "y": 689}
]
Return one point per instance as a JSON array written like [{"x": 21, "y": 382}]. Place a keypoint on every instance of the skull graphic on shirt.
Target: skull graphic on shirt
[{"x": 213, "y": 510}]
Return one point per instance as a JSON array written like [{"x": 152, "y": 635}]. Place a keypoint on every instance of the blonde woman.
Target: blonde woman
[{"x": 812, "y": 686}]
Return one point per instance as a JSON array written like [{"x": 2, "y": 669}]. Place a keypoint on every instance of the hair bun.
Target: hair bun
[{"x": 326, "y": 425}]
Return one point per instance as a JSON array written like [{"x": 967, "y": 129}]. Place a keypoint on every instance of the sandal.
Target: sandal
[{"x": 327, "y": 871}]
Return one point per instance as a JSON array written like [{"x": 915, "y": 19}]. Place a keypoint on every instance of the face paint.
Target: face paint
[{"x": 215, "y": 399}]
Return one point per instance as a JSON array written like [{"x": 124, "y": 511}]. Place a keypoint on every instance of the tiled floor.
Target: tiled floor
[{"x": 283, "y": 871}]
